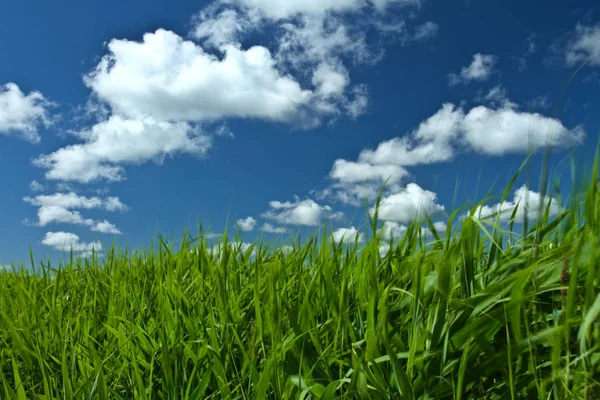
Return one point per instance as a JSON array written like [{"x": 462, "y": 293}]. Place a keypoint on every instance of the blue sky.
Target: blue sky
[{"x": 120, "y": 121}]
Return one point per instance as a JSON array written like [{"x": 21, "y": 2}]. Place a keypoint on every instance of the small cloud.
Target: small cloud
[
  {"x": 65, "y": 241},
  {"x": 426, "y": 31},
  {"x": 305, "y": 212},
  {"x": 530, "y": 48},
  {"x": 22, "y": 114},
  {"x": 347, "y": 235},
  {"x": 480, "y": 69},
  {"x": 35, "y": 186},
  {"x": 106, "y": 227},
  {"x": 246, "y": 224},
  {"x": 541, "y": 102},
  {"x": 584, "y": 46},
  {"x": 268, "y": 228}
]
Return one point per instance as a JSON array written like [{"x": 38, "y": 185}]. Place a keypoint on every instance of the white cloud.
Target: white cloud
[
  {"x": 487, "y": 130},
  {"x": 440, "y": 226},
  {"x": 246, "y": 224},
  {"x": 480, "y": 69},
  {"x": 300, "y": 212},
  {"x": 168, "y": 78},
  {"x": 528, "y": 202},
  {"x": 353, "y": 172},
  {"x": 394, "y": 230},
  {"x": 117, "y": 141},
  {"x": 65, "y": 241},
  {"x": 390, "y": 229},
  {"x": 497, "y": 96},
  {"x": 268, "y": 228},
  {"x": 426, "y": 31},
  {"x": 584, "y": 45},
  {"x": 409, "y": 204},
  {"x": 277, "y": 9},
  {"x": 22, "y": 114},
  {"x": 224, "y": 27},
  {"x": 347, "y": 235},
  {"x": 35, "y": 186},
  {"x": 429, "y": 143},
  {"x": 106, "y": 227},
  {"x": 58, "y": 208},
  {"x": 506, "y": 130}
]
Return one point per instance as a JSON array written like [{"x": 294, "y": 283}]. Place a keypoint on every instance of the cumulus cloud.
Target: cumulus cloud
[
  {"x": 106, "y": 227},
  {"x": 62, "y": 208},
  {"x": 347, "y": 235},
  {"x": 487, "y": 130},
  {"x": 169, "y": 78},
  {"x": 305, "y": 212},
  {"x": 584, "y": 45},
  {"x": 246, "y": 224},
  {"x": 65, "y": 241},
  {"x": 119, "y": 140},
  {"x": 409, "y": 204},
  {"x": 22, "y": 114},
  {"x": 480, "y": 69},
  {"x": 268, "y": 228},
  {"x": 492, "y": 131},
  {"x": 528, "y": 203}
]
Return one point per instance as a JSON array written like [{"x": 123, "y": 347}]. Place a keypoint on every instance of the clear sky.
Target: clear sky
[{"x": 119, "y": 120}]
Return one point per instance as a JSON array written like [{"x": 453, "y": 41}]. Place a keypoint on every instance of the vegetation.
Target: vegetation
[{"x": 466, "y": 314}]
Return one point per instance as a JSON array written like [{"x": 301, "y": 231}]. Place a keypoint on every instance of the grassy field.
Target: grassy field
[{"x": 466, "y": 314}]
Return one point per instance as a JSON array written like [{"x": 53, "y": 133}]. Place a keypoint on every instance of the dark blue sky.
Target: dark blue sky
[{"x": 399, "y": 77}]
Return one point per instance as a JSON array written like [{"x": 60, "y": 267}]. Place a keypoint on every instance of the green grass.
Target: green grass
[{"x": 465, "y": 314}]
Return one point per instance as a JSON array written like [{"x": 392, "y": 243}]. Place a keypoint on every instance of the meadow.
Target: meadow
[{"x": 481, "y": 311}]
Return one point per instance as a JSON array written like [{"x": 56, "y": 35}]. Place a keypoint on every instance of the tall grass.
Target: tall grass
[{"x": 465, "y": 314}]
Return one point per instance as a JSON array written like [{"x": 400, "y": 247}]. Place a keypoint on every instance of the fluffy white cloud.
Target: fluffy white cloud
[
  {"x": 430, "y": 143},
  {"x": 218, "y": 28},
  {"x": 480, "y": 69},
  {"x": 106, "y": 227},
  {"x": 246, "y": 224},
  {"x": 353, "y": 172},
  {"x": 59, "y": 208},
  {"x": 486, "y": 130},
  {"x": 506, "y": 130},
  {"x": 168, "y": 78},
  {"x": 528, "y": 202},
  {"x": 426, "y": 31},
  {"x": 268, "y": 228},
  {"x": 117, "y": 141},
  {"x": 347, "y": 235},
  {"x": 409, "y": 204},
  {"x": 65, "y": 241},
  {"x": 584, "y": 45},
  {"x": 300, "y": 212},
  {"x": 22, "y": 114}
]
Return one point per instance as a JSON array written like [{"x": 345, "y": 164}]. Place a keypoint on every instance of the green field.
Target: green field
[{"x": 461, "y": 314}]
